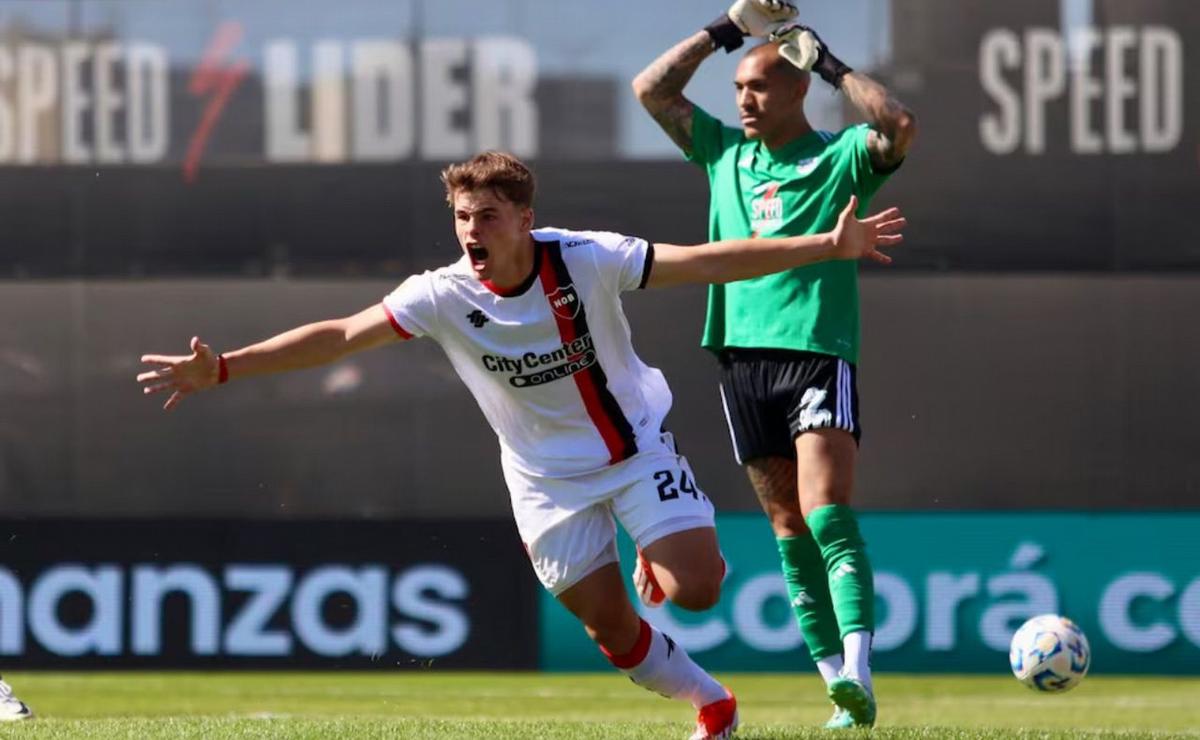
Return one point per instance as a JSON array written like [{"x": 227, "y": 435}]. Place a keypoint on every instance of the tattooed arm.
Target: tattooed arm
[
  {"x": 659, "y": 87},
  {"x": 893, "y": 125}
]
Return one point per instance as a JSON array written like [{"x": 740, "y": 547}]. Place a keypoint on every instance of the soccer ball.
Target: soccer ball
[{"x": 1050, "y": 653}]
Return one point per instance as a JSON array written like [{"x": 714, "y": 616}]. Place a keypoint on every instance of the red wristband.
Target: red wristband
[{"x": 222, "y": 370}]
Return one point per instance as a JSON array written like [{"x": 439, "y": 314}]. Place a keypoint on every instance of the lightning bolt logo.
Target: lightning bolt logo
[{"x": 217, "y": 82}]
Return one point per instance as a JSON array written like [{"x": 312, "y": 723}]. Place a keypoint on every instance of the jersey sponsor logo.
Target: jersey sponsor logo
[
  {"x": 557, "y": 372},
  {"x": 766, "y": 210},
  {"x": 538, "y": 368},
  {"x": 564, "y": 301},
  {"x": 477, "y": 318}
]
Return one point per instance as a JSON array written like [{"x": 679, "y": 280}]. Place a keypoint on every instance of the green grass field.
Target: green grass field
[{"x": 531, "y": 705}]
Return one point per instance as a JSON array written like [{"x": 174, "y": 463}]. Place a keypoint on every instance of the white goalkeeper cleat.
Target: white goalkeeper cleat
[
  {"x": 12, "y": 708},
  {"x": 646, "y": 585}
]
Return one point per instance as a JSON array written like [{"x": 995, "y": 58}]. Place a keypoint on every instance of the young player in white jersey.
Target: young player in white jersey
[{"x": 532, "y": 322}]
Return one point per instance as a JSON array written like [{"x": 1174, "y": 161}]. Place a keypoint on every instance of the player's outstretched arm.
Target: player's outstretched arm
[
  {"x": 741, "y": 259},
  {"x": 305, "y": 346}
]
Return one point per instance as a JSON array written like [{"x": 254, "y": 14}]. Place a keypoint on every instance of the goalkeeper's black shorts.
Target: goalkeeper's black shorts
[{"x": 773, "y": 396}]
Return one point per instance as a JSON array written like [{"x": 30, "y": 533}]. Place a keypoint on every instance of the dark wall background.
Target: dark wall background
[
  {"x": 978, "y": 391},
  {"x": 1047, "y": 207},
  {"x": 1033, "y": 347},
  {"x": 1106, "y": 214}
]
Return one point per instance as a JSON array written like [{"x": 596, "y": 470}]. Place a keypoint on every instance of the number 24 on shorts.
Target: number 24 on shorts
[{"x": 666, "y": 485}]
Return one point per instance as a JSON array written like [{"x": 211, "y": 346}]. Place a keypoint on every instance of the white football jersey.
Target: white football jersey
[{"x": 550, "y": 363}]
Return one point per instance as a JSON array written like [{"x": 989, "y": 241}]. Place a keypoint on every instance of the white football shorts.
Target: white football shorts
[{"x": 567, "y": 524}]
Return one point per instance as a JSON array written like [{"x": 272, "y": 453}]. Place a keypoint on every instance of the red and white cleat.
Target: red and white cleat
[
  {"x": 717, "y": 721},
  {"x": 646, "y": 585}
]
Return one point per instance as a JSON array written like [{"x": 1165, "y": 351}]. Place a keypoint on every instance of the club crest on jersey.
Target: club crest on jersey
[
  {"x": 806, "y": 167},
  {"x": 564, "y": 302}
]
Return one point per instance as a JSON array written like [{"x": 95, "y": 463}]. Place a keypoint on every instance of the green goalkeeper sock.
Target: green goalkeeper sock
[
  {"x": 808, "y": 592},
  {"x": 851, "y": 582}
]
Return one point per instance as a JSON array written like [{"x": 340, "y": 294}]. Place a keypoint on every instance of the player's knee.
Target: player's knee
[
  {"x": 701, "y": 598},
  {"x": 700, "y": 591}
]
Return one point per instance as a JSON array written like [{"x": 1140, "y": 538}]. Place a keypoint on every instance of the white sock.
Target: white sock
[
  {"x": 830, "y": 667},
  {"x": 858, "y": 657},
  {"x": 657, "y": 663}
]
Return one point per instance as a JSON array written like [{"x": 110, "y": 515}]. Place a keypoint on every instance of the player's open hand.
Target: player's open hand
[
  {"x": 181, "y": 374},
  {"x": 856, "y": 239}
]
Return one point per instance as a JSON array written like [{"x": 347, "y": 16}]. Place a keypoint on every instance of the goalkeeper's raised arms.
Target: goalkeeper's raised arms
[
  {"x": 801, "y": 46},
  {"x": 749, "y": 18}
]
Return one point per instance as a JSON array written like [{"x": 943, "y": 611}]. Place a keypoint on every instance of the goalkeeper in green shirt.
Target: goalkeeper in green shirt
[{"x": 788, "y": 343}]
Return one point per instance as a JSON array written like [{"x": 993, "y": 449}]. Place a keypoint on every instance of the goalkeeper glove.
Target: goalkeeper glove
[
  {"x": 801, "y": 46},
  {"x": 749, "y": 18}
]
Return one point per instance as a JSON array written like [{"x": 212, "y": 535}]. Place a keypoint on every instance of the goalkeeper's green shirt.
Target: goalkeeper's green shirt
[{"x": 796, "y": 190}]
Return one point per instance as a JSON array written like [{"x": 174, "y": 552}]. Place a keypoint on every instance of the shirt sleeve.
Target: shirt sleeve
[
  {"x": 708, "y": 138},
  {"x": 866, "y": 179},
  {"x": 412, "y": 306},
  {"x": 624, "y": 262}
]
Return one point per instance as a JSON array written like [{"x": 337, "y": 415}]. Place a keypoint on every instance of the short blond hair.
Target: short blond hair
[{"x": 499, "y": 172}]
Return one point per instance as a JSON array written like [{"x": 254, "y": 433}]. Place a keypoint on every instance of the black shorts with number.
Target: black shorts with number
[{"x": 773, "y": 396}]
